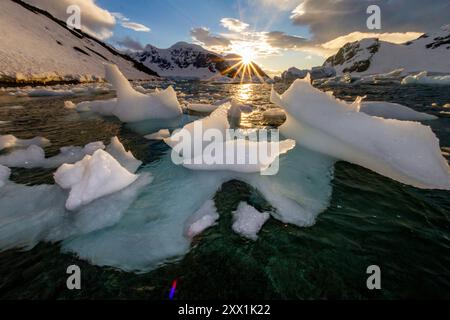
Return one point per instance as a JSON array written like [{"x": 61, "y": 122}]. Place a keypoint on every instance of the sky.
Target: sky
[{"x": 276, "y": 34}]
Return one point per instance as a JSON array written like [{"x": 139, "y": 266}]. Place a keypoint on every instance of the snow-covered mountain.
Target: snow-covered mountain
[
  {"x": 190, "y": 61},
  {"x": 430, "y": 52},
  {"x": 36, "y": 47}
]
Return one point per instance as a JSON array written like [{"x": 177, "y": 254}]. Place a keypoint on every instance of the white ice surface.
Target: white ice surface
[
  {"x": 388, "y": 110},
  {"x": 10, "y": 141},
  {"x": 247, "y": 221},
  {"x": 34, "y": 156},
  {"x": 202, "y": 219},
  {"x": 424, "y": 78},
  {"x": 92, "y": 178},
  {"x": 408, "y": 152},
  {"x": 125, "y": 158},
  {"x": 4, "y": 175},
  {"x": 160, "y": 135}
]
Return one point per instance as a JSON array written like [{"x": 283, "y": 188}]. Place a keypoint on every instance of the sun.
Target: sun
[
  {"x": 242, "y": 63},
  {"x": 247, "y": 54}
]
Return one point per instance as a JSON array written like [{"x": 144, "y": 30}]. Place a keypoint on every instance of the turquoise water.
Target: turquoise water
[{"x": 371, "y": 220}]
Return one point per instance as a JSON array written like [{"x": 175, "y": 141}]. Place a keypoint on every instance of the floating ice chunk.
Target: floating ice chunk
[
  {"x": 43, "y": 216},
  {"x": 134, "y": 106},
  {"x": 91, "y": 178},
  {"x": 10, "y": 141},
  {"x": 5, "y": 172},
  {"x": 247, "y": 221},
  {"x": 34, "y": 156},
  {"x": 408, "y": 152},
  {"x": 103, "y": 107},
  {"x": 47, "y": 92},
  {"x": 125, "y": 158},
  {"x": 424, "y": 78},
  {"x": 160, "y": 135},
  {"x": 202, "y": 219},
  {"x": 202, "y": 108},
  {"x": 69, "y": 105},
  {"x": 396, "y": 111}
]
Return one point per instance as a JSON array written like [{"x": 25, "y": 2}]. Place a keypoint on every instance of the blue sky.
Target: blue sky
[{"x": 171, "y": 21}]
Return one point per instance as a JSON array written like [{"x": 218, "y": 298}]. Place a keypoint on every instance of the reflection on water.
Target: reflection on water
[{"x": 244, "y": 92}]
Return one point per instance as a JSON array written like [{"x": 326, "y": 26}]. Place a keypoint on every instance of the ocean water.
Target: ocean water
[{"x": 371, "y": 220}]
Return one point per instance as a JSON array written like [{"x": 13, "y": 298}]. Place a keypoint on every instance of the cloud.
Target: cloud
[
  {"x": 234, "y": 24},
  {"x": 282, "y": 40},
  {"x": 281, "y": 5},
  {"x": 129, "y": 43},
  {"x": 206, "y": 38},
  {"x": 135, "y": 26},
  {"x": 126, "y": 23},
  {"x": 95, "y": 20},
  {"x": 329, "y": 19}
]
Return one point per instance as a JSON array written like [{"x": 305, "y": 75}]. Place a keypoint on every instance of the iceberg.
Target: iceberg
[
  {"x": 408, "y": 152},
  {"x": 160, "y": 135},
  {"x": 424, "y": 78},
  {"x": 131, "y": 105},
  {"x": 134, "y": 106},
  {"x": 388, "y": 110},
  {"x": 202, "y": 219},
  {"x": 91, "y": 178},
  {"x": 10, "y": 141},
  {"x": 34, "y": 156},
  {"x": 125, "y": 158},
  {"x": 247, "y": 221}
]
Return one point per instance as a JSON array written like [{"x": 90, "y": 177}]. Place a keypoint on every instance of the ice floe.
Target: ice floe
[
  {"x": 92, "y": 178},
  {"x": 396, "y": 111},
  {"x": 131, "y": 105},
  {"x": 202, "y": 219},
  {"x": 34, "y": 156},
  {"x": 408, "y": 152},
  {"x": 10, "y": 141},
  {"x": 160, "y": 135},
  {"x": 247, "y": 221},
  {"x": 424, "y": 78},
  {"x": 125, "y": 158}
]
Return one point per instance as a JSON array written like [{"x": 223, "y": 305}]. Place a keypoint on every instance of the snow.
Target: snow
[
  {"x": 160, "y": 135},
  {"x": 92, "y": 178},
  {"x": 424, "y": 78},
  {"x": 125, "y": 158},
  {"x": 388, "y": 110},
  {"x": 247, "y": 221},
  {"x": 202, "y": 219},
  {"x": 5, "y": 172},
  {"x": 34, "y": 156},
  {"x": 46, "y": 50},
  {"x": 412, "y": 57},
  {"x": 10, "y": 141},
  {"x": 408, "y": 152}
]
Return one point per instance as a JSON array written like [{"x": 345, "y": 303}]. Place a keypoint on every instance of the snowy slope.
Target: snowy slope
[
  {"x": 189, "y": 61},
  {"x": 430, "y": 52},
  {"x": 36, "y": 47}
]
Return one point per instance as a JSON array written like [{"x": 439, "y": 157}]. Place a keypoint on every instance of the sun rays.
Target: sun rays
[{"x": 244, "y": 68}]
